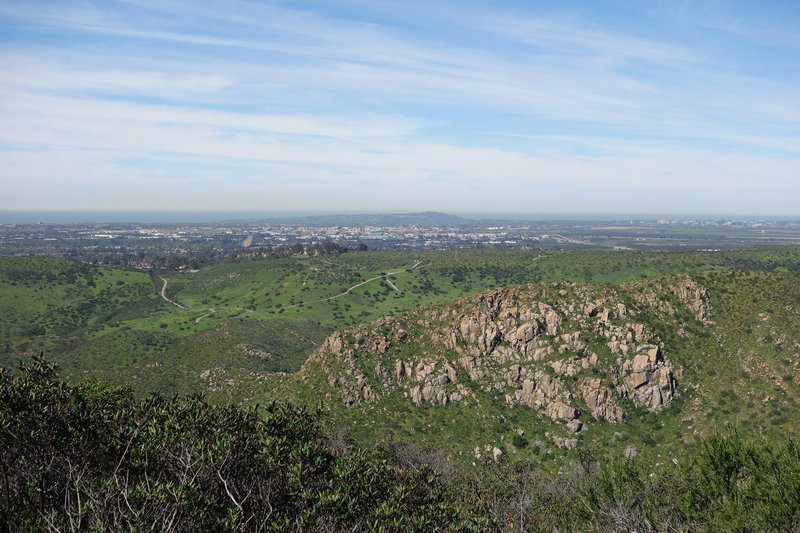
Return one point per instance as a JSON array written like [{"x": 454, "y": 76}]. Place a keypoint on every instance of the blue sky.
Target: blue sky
[{"x": 684, "y": 108}]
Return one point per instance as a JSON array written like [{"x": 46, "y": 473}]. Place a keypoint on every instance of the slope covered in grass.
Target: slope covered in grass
[{"x": 113, "y": 323}]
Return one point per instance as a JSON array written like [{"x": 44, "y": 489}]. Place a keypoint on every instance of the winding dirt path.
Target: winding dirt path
[
  {"x": 176, "y": 304},
  {"x": 164, "y": 295},
  {"x": 211, "y": 312},
  {"x": 416, "y": 264}
]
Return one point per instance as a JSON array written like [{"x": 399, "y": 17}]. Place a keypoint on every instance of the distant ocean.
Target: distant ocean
[
  {"x": 147, "y": 217},
  {"x": 195, "y": 217}
]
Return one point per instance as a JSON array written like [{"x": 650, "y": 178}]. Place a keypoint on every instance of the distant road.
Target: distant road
[{"x": 574, "y": 241}]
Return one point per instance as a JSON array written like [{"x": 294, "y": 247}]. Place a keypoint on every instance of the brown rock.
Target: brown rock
[
  {"x": 416, "y": 395},
  {"x": 553, "y": 321},
  {"x": 334, "y": 343},
  {"x": 561, "y": 410},
  {"x": 564, "y": 442},
  {"x": 575, "y": 425},
  {"x": 496, "y": 453},
  {"x": 369, "y": 394},
  {"x": 451, "y": 373},
  {"x": 638, "y": 332}
]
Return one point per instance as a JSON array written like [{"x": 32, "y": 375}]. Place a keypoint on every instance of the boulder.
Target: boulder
[
  {"x": 575, "y": 425},
  {"x": 560, "y": 410},
  {"x": 416, "y": 395},
  {"x": 496, "y": 453}
]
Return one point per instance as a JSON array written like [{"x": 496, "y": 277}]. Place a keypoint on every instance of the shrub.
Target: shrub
[
  {"x": 738, "y": 485},
  {"x": 91, "y": 457}
]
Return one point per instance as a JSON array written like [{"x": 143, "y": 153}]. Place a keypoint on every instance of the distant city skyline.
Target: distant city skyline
[{"x": 596, "y": 108}]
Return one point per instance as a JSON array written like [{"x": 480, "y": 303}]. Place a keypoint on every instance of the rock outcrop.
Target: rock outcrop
[
  {"x": 648, "y": 378},
  {"x": 568, "y": 351}
]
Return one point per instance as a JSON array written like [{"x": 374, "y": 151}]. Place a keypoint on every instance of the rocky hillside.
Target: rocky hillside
[{"x": 572, "y": 355}]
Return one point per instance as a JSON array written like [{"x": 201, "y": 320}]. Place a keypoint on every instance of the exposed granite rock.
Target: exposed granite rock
[
  {"x": 480, "y": 331},
  {"x": 564, "y": 442},
  {"x": 416, "y": 395},
  {"x": 575, "y": 425},
  {"x": 600, "y": 400},
  {"x": 496, "y": 453},
  {"x": 399, "y": 369},
  {"x": 559, "y": 410},
  {"x": 520, "y": 345},
  {"x": 648, "y": 378},
  {"x": 696, "y": 298},
  {"x": 369, "y": 394}
]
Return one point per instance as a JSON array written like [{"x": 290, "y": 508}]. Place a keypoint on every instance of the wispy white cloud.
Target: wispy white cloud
[{"x": 256, "y": 104}]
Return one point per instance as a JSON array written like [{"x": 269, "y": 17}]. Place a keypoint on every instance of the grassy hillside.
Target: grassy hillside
[
  {"x": 739, "y": 367},
  {"x": 269, "y": 314},
  {"x": 48, "y": 298},
  {"x": 242, "y": 332}
]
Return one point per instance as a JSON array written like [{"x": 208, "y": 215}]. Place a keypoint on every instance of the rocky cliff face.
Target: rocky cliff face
[{"x": 575, "y": 353}]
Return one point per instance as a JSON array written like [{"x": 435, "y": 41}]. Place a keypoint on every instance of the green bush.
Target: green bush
[
  {"x": 738, "y": 485},
  {"x": 729, "y": 485},
  {"x": 91, "y": 457}
]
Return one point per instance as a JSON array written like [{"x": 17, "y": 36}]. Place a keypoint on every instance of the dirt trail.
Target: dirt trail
[
  {"x": 176, "y": 304},
  {"x": 211, "y": 312},
  {"x": 301, "y": 337},
  {"x": 415, "y": 265},
  {"x": 164, "y": 295}
]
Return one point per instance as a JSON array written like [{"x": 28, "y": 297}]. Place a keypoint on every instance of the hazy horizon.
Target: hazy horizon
[
  {"x": 462, "y": 107},
  {"x": 199, "y": 217}
]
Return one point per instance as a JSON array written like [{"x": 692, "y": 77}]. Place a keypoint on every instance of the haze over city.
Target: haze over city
[{"x": 688, "y": 108}]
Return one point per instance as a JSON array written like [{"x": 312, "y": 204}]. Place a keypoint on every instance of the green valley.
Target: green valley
[{"x": 241, "y": 330}]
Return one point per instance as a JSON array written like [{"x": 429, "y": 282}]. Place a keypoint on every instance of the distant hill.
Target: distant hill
[{"x": 427, "y": 218}]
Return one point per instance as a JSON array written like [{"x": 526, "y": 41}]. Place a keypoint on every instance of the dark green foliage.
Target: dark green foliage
[
  {"x": 91, "y": 457},
  {"x": 739, "y": 485},
  {"x": 519, "y": 441},
  {"x": 730, "y": 485}
]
